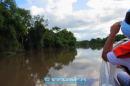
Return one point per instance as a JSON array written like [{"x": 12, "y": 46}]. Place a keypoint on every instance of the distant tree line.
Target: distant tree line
[
  {"x": 20, "y": 30},
  {"x": 97, "y": 43}
]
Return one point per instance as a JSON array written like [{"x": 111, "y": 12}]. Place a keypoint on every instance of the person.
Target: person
[{"x": 121, "y": 54}]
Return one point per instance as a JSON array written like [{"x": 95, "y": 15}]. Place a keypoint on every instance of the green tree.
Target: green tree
[
  {"x": 56, "y": 29},
  {"x": 119, "y": 37},
  {"x": 36, "y": 32},
  {"x": 19, "y": 30},
  {"x": 49, "y": 38},
  {"x": 65, "y": 38},
  {"x": 97, "y": 43},
  {"x": 8, "y": 40}
]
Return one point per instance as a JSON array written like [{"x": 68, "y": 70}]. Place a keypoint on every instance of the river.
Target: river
[{"x": 30, "y": 68}]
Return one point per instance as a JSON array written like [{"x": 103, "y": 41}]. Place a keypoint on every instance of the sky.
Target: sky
[{"x": 87, "y": 19}]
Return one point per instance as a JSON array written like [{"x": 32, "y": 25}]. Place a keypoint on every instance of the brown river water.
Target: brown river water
[{"x": 30, "y": 68}]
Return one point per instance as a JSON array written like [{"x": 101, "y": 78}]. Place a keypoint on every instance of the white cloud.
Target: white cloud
[
  {"x": 92, "y": 22},
  {"x": 37, "y": 11}
]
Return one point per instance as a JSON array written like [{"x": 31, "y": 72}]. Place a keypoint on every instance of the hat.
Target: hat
[{"x": 125, "y": 25}]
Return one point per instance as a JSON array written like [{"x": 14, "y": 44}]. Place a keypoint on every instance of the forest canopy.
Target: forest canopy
[
  {"x": 20, "y": 30},
  {"x": 97, "y": 43}
]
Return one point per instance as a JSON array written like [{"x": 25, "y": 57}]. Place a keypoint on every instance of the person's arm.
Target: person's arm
[{"x": 110, "y": 40}]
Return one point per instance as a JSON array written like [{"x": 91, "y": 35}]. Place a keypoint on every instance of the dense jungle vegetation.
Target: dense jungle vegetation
[{"x": 19, "y": 30}]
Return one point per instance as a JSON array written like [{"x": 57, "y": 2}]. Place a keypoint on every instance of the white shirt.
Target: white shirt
[{"x": 118, "y": 61}]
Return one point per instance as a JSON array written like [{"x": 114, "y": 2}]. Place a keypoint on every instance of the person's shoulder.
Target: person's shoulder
[{"x": 112, "y": 57}]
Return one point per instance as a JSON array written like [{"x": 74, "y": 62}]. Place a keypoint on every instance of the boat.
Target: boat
[{"x": 108, "y": 71}]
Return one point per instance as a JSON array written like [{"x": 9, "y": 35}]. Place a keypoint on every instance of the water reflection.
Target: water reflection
[
  {"x": 86, "y": 64},
  {"x": 28, "y": 69}
]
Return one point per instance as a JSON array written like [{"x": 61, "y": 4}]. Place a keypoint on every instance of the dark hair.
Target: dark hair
[{"x": 127, "y": 18}]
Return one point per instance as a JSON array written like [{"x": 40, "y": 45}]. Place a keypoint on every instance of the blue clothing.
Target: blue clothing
[
  {"x": 123, "y": 78},
  {"x": 125, "y": 29}
]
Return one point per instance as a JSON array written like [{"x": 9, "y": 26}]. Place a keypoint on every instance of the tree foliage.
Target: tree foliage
[
  {"x": 97, "y": 43},
  {"x": 20, "y": 30}
]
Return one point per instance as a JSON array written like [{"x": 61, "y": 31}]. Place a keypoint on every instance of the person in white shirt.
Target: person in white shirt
[{"x": 109, "y": 56}]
